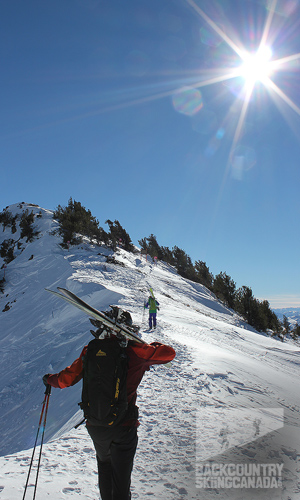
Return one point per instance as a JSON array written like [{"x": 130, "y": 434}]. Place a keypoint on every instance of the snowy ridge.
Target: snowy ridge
[
  {"x": 292, "y": 314},
  {"x": 220, "y": 363}
]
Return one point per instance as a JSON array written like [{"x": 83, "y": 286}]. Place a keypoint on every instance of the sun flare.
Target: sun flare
[{"x": 256, "y": 67}]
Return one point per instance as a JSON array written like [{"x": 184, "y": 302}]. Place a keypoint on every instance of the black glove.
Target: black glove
[{"x": 45, "y": 378}]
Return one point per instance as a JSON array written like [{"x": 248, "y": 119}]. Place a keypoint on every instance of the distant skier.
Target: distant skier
[
  {"x": 153, "y": 307},
  {"x": 116, "y": 445}
]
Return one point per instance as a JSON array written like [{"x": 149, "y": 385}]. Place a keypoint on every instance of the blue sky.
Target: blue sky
[{"x": 139, "y": 111}]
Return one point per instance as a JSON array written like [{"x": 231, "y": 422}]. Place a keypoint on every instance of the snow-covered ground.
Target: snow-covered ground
[
  {"x": 291, "y": 313},
  {"x": 231, "y": 396}
]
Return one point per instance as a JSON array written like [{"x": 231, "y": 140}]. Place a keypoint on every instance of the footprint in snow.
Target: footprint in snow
[{"x": 71, "y": 490}]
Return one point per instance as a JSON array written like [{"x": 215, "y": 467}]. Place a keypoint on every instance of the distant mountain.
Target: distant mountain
[{"x": 292, "y": 314}]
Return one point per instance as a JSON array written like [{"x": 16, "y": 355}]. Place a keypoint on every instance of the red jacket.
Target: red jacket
[{"x": 141, "y": 357}]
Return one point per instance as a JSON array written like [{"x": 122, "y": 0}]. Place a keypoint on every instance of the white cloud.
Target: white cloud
[{"x": 280, "y": 301}]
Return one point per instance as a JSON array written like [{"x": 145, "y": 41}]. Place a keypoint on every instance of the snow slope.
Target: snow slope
[
  {"x": 225, "y": 376},
  {"x": 292, "y": 314}
]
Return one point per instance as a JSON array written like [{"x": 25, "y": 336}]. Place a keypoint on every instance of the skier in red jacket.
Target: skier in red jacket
[{"x": 116, "y": 446}]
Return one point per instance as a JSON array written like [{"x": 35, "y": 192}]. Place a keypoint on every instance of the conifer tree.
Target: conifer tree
[
  {"x": 7, "y": 250},
  {"x": 244, "y": 304},
  {"x": 202, "y": 274},
  {"x": 151, "y": 246},
  {"x": 26, "y": 225},
  {"x": 117, "y": 235},
  {"x": 183, "y": 263},
  {"x": 76, "y": 221},
  {"x": 8, "y": 219},
  {"x": 296, "y": 331},
  {"x": 286, "y": 325},
  {"x": 167, "y": 255},
  {"x": 224, "y": 287}
]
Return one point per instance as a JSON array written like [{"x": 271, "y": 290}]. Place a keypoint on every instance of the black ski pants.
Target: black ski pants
[{"x": 115, "y": 449}]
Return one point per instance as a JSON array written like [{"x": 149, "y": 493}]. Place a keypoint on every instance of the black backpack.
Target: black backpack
[{"x": 104, "y": 390}]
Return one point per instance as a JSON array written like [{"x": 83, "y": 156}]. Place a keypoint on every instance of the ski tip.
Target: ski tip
[{"x": 51, "y": 291}]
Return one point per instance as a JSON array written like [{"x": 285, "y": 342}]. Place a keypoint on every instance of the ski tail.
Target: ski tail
[{"x": 72, "y": 299}]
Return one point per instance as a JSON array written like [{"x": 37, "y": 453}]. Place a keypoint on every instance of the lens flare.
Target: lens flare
[
  {"x": 209, "y": 37},
  {"x": 243, "y": 158},
  {"x": 188, "y": 101}
]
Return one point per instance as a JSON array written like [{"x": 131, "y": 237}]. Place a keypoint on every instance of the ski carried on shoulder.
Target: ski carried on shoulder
[{"x": 72, "y": 299}]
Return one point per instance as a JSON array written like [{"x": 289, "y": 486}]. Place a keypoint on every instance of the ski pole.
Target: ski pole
[
  {"x": 44, "y": 408},
  {"x": 48, "y": 391},
  {"x": 143, "y": 316},
  {"x": 79, "y": 423}
]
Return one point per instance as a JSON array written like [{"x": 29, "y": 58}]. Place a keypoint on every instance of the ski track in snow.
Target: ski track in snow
[{"x": 220, "y": 363}]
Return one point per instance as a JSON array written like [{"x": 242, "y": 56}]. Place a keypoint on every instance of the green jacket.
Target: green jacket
[{"x": 152, "y": 304}]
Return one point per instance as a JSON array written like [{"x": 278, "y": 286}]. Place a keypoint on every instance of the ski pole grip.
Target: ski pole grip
[{"x": 48, "y": 390}]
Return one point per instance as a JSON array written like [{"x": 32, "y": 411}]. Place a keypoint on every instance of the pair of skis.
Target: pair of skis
[{"x": 72, "y": 299}]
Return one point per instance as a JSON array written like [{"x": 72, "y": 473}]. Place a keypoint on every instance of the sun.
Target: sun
[
  {"x": 256, "y": 67},
  {"x": 253, "y": 68}
]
